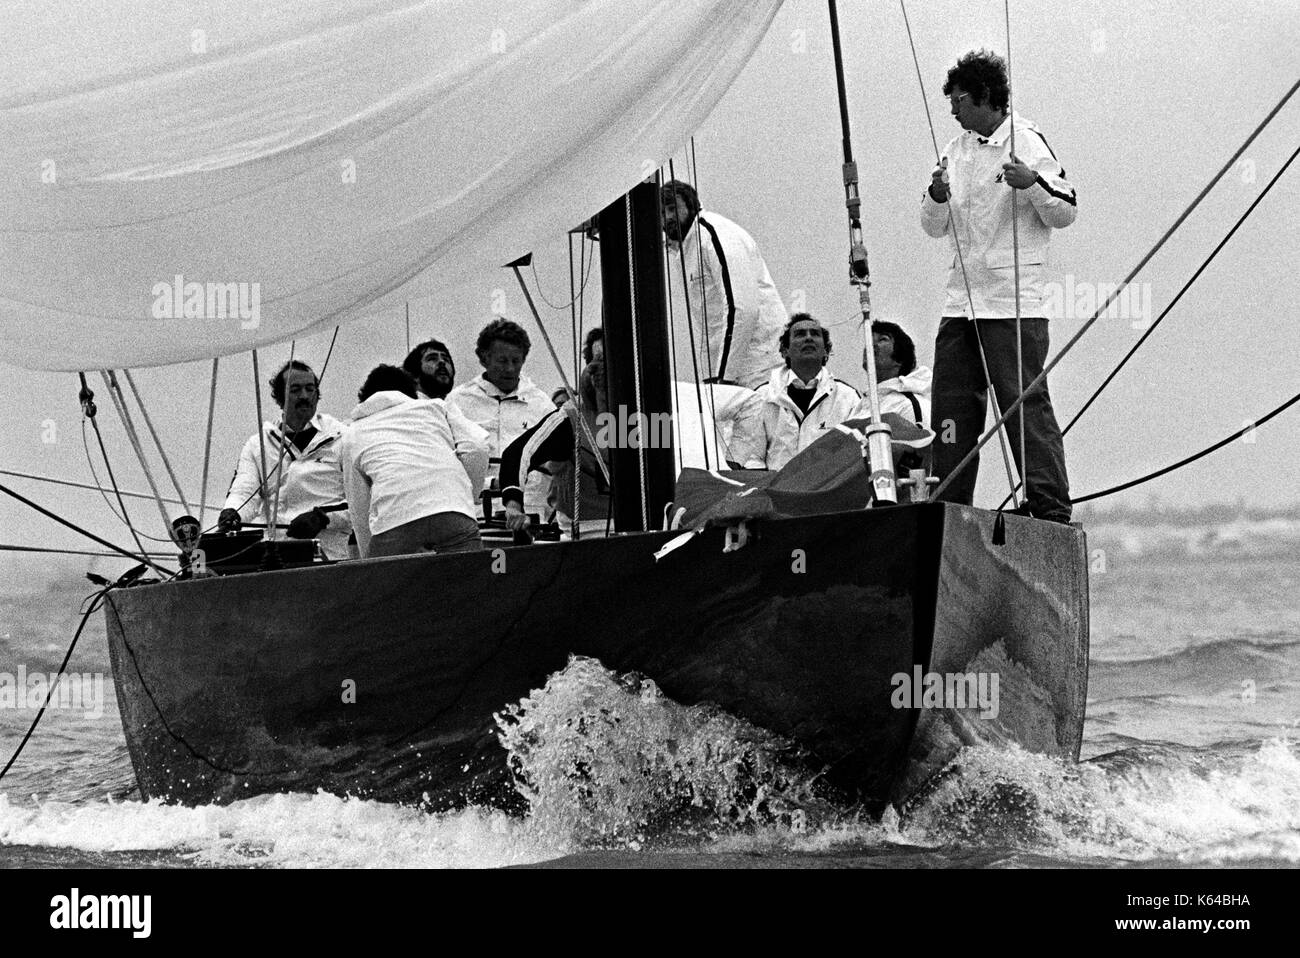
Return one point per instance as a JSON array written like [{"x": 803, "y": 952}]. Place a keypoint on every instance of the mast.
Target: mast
[
  {"x": 637, "y": 358},
  {"x": 883, "y": 482}
]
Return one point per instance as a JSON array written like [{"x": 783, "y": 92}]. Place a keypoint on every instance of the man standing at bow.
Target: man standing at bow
[
  {"x": 977, "y": 192},
  {"x": 735, "y": 308}
]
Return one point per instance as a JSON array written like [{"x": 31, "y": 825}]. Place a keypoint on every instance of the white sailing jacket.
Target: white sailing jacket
[
  {"x": 981, "y": 203},
  {"x": 733, "y": 298},
  {"x": 403, "y": 459},
  {"x": 897, "y": 395},
  {"x": 305, "y": 480},
  {"x": 505, "y": 417},
  {"x": 784, "y": 431}
]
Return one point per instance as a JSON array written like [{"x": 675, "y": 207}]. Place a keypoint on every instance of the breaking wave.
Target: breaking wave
[
  {"x": 1167, "y": 802},
  {"x": 608, "y": 761},
  {"x": 611, "y": 768}
]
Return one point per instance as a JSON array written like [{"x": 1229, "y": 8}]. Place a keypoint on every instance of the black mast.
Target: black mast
[{"x": 637, "y": 359}]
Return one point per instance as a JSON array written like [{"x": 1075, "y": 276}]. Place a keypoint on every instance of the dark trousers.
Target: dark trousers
[
  {"x": 960, "y": 402},
  {"x": 443, "y": 532}
]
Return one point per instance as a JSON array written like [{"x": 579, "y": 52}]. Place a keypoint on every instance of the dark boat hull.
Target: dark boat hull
[{"x": 380, "y": 678}]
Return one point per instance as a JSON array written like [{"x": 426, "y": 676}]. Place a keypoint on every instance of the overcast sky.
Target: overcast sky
[{"x": 1141, "y": 104}]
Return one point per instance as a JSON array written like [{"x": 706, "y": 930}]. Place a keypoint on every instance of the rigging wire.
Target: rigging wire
[
  {"x": 643, "y": 478},
  {"x": 965, "y": 278},
  {"x": 1129, "y": 355},
  {"x": 328, "y": 353},
  {"x": 573, "y": 298},
  {"x": 207, "y": 441},
  {"x": 141, "y": 556},
  {"x": 1015, "y": 262},
  {"x": 271, "y": 523},
  {"x": 80, "y": 485},
  {"x": 88, "y": 411},
  {"x": 1192, "y": 458},
  {"x": 1042, "y": 376},
  {"x": 96, "y": 601},
  {"x": 120, "y": 517},
  {"x": 6, "y": 547},
  {"x": 690, "y": 322},
  {"x": 119, "y": 403},
  {"x": 264, "y": 488},
  {"x": 157, "y": 441},
  {"x": 576, "y": 508},
  {"x": 678, "y": 449},
  {"x": 1185, "y": 287}
]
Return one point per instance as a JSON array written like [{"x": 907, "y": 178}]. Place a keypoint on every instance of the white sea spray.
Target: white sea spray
[{"x": 606, "y": 761}]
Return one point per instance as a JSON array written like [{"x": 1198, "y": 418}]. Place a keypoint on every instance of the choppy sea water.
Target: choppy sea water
[{"x": 1191, "y": 756}]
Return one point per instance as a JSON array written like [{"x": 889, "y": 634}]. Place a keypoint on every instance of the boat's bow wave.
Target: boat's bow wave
[
  {"x": 608, "y": 760},
  {"x": 1146, "y": 803}
]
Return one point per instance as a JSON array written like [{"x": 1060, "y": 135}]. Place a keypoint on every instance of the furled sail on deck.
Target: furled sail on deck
[{"x": 190, "y": 180}]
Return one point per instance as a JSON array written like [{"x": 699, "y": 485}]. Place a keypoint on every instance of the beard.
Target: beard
[
  {"x": 434, "y": 386},
  {"x": 676, "y": 231}
]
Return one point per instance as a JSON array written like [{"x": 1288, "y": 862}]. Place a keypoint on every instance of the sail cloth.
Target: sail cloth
[
  {"x": 264, "y": 168},
  {"x": 828, "y": 476}
]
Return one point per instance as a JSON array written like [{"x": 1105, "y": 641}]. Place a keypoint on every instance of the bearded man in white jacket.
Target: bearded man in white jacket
[
  {"x": 735, "y": 308},
  {"x": 411, "y": 469}
]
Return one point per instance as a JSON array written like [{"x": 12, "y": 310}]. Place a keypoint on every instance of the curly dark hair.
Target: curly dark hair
[
  {"x": 904, "y": 348},
  {"x": 415, "y": 358},
  {"x": 982, "y": 74},
  {"x": 674, "y": 188},
  {"x": 277, "y": 381},
  {"x": 510, "y": 333},
  {"x": 803, "y": 318},
  {"x": 594, "y": 336},
  {"x": 385, "y": 377}
]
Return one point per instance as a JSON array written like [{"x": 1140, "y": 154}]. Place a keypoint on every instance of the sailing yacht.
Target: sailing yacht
[{"x": 325, "y": 161}]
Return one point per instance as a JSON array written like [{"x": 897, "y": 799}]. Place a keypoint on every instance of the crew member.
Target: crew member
[
  {"x": 735, "y": 307},
  {"x": 302, "y": 463},
  {"x": 502, "y": 400},
  {"x": 977, "y": 192},
  {"x": 801, "y": 400},
  {"x": 903, "y": 386},
  {"x": 431, "y": 366},
  {"x": 410, "y": 482},
  {"x": 552, "y": 442}
]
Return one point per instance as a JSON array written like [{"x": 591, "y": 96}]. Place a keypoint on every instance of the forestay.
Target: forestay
[{"x": 191, "y": 180}]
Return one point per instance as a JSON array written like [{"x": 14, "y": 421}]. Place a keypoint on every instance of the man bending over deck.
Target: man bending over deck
[{"x": 409, "y": 473}]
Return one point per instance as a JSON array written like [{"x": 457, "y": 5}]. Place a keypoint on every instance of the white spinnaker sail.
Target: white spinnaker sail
[{"x": 278, "y": 166}]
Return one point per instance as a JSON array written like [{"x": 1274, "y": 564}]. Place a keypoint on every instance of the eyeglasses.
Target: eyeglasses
[{"x": 954, "y": 100}]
